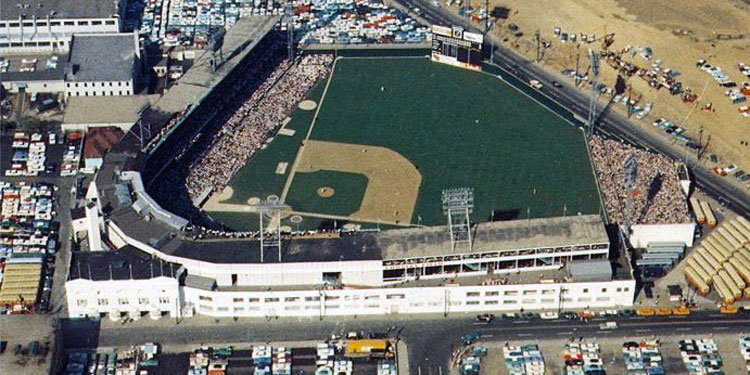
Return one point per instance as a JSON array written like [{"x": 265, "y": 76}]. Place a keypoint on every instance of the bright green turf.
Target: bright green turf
[{"x": 460, "y": 128}]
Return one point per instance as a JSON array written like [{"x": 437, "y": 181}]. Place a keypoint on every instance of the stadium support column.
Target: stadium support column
[
  {"x": 592, "y": 100},
  {"x": 458, "y": 204},
  {"x": 289, "y": 15},
  {"x": 270, "y": 236}
]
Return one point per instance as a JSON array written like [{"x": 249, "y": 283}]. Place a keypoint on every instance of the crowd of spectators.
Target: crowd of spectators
[
  {"x": 257, "y": 119},
  {"x": 657, "y": 195}
]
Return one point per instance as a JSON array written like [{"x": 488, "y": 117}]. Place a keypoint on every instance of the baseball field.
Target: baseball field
[{"x": 387, "y": 135}]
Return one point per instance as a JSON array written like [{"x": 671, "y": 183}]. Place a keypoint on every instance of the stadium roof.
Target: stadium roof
[
  {"x": 62, "y": 9},
  {"x": 498, "y": 235},
  {"x": 238, "y": 41},
  {"x": 125, "y": 263},
  {"x": 102, "y": 57}
]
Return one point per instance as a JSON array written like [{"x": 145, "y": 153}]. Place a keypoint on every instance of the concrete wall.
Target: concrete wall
[
  {"x": 412, "y": 300},
  {"x": 92, "y": 298},
  {"x": 642, "y": 234},
  {"x": 51, "y": 86}
]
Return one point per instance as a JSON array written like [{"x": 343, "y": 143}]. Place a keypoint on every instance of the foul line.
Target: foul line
[{"x": 288, "y": 182}]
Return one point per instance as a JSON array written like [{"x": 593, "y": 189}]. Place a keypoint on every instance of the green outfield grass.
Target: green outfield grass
[{"x": 460, "y": 128}]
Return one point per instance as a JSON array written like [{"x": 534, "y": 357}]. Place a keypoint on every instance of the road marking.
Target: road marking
[
  {"x": 685, "y": 329},
  {"x": 524, "y": 334},
  {"x": 642, "y": 330},
  {"x": 483, "y": 336},
  {"x": 520, "y": 322},
  {"x": 720, "y": 328},
  {"x": 564, "y": 333}
]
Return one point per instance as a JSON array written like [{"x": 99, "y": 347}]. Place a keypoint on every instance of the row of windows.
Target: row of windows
[
  {"x": 122, "y": 301},
  {"x": 43, "y": 23},
  {"x": 307, "y": 299},
  {"x": 533, "y": 292},
  {"x": 93, "y": 93},
  {"x": 93, "y": 84}
]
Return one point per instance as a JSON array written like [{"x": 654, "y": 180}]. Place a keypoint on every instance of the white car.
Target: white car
[
  {"x": 548, "y": 315},
  {"x": 535, "y": 84},
  {"x": 730, "y": 168}
]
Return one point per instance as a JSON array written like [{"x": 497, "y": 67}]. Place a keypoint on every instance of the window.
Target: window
[
  {"x": 291, "y": 308},
  {"x": 604, "y": 290},
  {"x": 81, "y": 302},
  {"x": 585, "y": 290},
  {"x": 120, "y": 92},
  {"x": 529, "y": 301},
  {"x": 308, "y": 299},
  {"x": 511, "y": 293},
  {"x": 395, "y": 296},
  {"x": 103, "y": 302},
  {"x": 83, "y": 23},
  {"x": 271, "y": 300},
  {"x": 96, "y": 23},
  {"x": 251, "y": 300},
  {"x": 626, "y": 289},
  {"x": 28, "y": 24},
  {"x": 332, "y": 307},
  {"x": 291, "y": 299},
  {"x": 163, "y": 300},
  {"x": 109, "y": 22},
  {"x": 472, "y": 302},
  {"x": 13, "y": 24},
  {"x": 70, "y": 23},
  {"x": 509, "y": 302},
  {"x": 472, "y": 294},
  {"x": 529, "y": 292},
  {"x": 123, "y": 301},
  {"x": 619, "y": 290},
  {"x": 54, "y": 23},
  {"x": 492, "y": 302},
  {"x": 110, "y": 85},
  {"x": 222, "y": 309},
  {"x": 143, "y": 301},
  {"x": 239, "y": 309},
  {"x": 602, "y": 299},
  {"x": 584, "y": 299},
  {"x": 238, "y": 300},
  {"x": 488, "y": 294},
  {"x": 119, "y": 83},
  {"x": 205, "y": 298}
]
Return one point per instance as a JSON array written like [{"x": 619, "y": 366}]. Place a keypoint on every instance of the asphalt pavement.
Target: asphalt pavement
[{"x": 430, "y": 339}]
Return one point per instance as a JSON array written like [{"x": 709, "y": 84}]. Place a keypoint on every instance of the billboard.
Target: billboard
[{"x": 454, "y": 46}]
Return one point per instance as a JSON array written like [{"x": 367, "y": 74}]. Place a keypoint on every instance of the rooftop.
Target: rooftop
[
  {"x": 99, "y": 141},
  {"x": 43, "y": 72},
  {"x": 62, "y": 9},
  {"x": 102, "y": 57},
  {"x": 118, "y": 109},
  {"x": 125, "y": 263},
  {"x": 238, "y": 41},
  {"x": 498, "y": 235}
]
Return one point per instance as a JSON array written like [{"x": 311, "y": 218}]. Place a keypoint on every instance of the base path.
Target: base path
[{"x": 393, "y": 181}]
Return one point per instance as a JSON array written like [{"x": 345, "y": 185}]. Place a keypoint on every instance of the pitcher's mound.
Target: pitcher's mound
[
  {"x": 307, "y": 105},
  {"x": 325, "y": 192}
]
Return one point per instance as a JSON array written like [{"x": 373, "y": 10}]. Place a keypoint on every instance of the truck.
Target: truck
[
  {"x": 698, "y": 211},
  {"x": 608, "y": 326},
  {"x": 710, "y": 218}
]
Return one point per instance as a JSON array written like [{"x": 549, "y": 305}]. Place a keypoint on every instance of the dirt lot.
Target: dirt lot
[
  {"x": 679, "y": 32},
  {"x": 393, "y": 181}
]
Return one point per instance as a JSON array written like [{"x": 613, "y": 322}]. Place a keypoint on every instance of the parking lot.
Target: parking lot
[{"x": 612, "y": 356}]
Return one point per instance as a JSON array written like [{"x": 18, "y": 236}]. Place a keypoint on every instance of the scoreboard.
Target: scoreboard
[{"x": 454, "y": 46}]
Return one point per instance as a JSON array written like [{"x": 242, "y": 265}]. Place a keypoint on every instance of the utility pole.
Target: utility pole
[
  {"x": 578, "y": 64},
  {"x": 536, "y": 36},
  {"x": 486, "y": 16}
]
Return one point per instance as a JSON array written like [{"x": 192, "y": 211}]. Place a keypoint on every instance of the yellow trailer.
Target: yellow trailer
[
  {"x": 704, "y": 263},
  {"x": 722, "y": 290},
  {"x": 693, "y": 279},
  {"x": 698, "y": 211},
  {"x": 729, "y": 237},
  {"x": 710, "y": 218},
  {"x": 732, "y": 227},
  {"x": 733, "y": 288},
  {"x": 732, "y": 271},
  {"x": 741, "y": 268},
  {"x": 690, "y": 262},
  {"x": 744, "y": 222},
  {"x": 709, "y": 258}
]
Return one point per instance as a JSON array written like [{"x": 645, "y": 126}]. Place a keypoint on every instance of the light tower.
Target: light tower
[
  {"x": 289, "y": 16},
  {"x": 630, "y": 165},
  {"x": 458, "y": 204},
  {"x": 270, "y": 235},
  {"x": 594, "y": 57}
]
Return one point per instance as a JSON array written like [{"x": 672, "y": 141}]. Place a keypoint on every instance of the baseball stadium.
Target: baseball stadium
[
  {"x": 316, "y": 184},
  {"x": 377, "y": 141}
]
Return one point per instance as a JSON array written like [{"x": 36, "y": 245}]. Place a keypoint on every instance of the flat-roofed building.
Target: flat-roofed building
[
  {"x": 103, "y": 65},
  {"x": 48, "y": 25}
]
